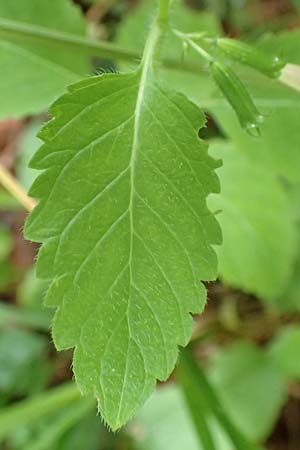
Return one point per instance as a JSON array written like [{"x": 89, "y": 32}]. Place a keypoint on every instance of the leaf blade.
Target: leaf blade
[{"x": 123, "y": 165}]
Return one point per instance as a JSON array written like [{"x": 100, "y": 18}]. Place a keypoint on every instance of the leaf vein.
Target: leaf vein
[{"x": 173, "y": 291}]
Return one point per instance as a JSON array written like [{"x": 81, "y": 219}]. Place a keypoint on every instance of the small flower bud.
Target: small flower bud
[
  {"x": 238, "y": 96},
  {"x": 250, "y": 56}
]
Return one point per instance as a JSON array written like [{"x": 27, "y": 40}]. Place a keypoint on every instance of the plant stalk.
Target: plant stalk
[
  {"x": 163, "y": 11},
  {"x": 14, "y": 187}
]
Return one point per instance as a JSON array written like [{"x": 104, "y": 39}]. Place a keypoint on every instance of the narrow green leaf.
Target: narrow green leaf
[
  {"x": 198, "y": 405},
  {"x": 127, "y": 234},
  {"x": 27, "y": 62},
  {"x": 203, "y": 394},
  {"x": 57, "y": 15}
]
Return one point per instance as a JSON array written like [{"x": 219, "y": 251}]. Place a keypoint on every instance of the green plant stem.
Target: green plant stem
[
  {"x": 198, "y": 408},
  {"x": 203, "y": 393},
  {"x": 33, "y": 409},
  {"x": 200, "y": 50},
  {"x": 13, "y": 30},
  {"x": 186, "y": 38},
  {"x": 12, "y": 315},
  {"x": 163, "y": 11},
  {"x": 152, "y": 51}
]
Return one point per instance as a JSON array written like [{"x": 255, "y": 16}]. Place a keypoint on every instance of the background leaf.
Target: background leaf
[
  {"x": 27, "y": 146},
  {"x": 285, "y": 351},
  {"x": 250, "y": 387},
  {"x": 164, "y": 421},
  {"x": 256, "y": 217},
  {"x": 23, "y": 357},
  {"x": 27, "y": 63}
]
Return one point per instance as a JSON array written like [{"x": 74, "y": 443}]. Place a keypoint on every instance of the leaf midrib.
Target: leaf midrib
[{"x": 145, "y": 71}]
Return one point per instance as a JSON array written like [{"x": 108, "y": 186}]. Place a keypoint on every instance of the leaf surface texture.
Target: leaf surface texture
[{"x": 127, "y": 234}]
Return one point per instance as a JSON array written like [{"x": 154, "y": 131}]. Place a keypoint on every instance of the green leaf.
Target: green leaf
[
  {"x": 165, "y": 422},
  {"x": 24, "y": 62},
  {"x": 285, "y": 351},
  {"x": 27, "y": 146},
  {"x": 11, "y": 315},
  {"x": 203, "y": 400},
  {"x": 22, "y": 359},
  {"x": 290, "y": 299},
  {"x": 195, "y": 394},
  {"x": 297, "y": 4},
  {"x": 37, "y": 408},
  {"x": 31, "y": 291},
  {"x": 88, "y": 433},
  {"x": 50, "y": 435},
  {"x": 126, "y": 232},
  {"x": 259, "y": 233},
  {"x": 250, "y": 387}
]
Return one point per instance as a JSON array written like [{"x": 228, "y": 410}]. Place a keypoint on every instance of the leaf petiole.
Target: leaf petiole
[{"x": 187, "y": 39}]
